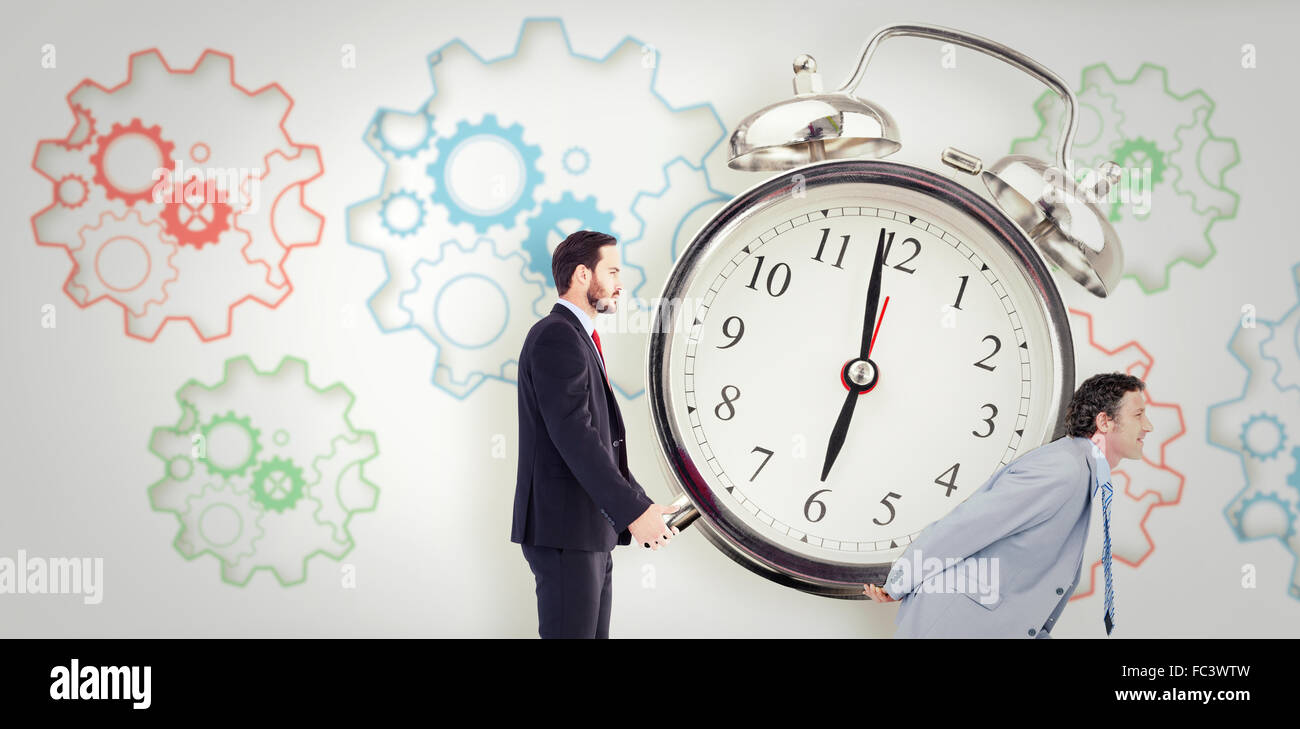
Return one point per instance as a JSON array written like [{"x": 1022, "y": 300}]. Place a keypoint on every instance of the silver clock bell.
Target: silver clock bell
[{"x": 1038, "y": 196}]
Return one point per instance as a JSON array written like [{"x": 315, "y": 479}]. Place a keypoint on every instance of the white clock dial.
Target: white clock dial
[{"x": 965, "y": 353}]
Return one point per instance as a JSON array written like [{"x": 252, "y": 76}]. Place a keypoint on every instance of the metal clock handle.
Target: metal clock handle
[
  {"x": 686, "y": 513},
  {"x": 989, "y": 48}
]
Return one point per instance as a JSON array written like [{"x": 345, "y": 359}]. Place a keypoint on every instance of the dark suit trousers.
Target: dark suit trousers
[{"x": 574, "y": 591}]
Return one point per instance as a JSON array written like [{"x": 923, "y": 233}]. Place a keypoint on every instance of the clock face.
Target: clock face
[{"x": 770, "y": 308}]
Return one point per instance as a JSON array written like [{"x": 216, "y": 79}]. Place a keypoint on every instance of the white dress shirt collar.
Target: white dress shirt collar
[{"x": 1103, "y": 466}]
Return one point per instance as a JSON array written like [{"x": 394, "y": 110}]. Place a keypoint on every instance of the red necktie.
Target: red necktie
[{"x": 596, "y": 336}]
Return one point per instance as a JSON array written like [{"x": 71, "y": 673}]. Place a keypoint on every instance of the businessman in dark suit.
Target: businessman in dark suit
[{"x": 574, "y": 495}]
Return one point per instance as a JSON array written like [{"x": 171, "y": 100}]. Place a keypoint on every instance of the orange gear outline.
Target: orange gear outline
[{"x": 136, "y": 126}]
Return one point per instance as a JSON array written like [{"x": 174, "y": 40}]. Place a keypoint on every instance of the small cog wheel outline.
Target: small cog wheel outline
[
  {"x": 255, "y": 445},
  {"x": 1250, "y": 501},
  {"x": 81, "y": 112},
  {"x": 79, "y": 181},
  {"x": 105, "y": 142},
  {"x": 547, "y": 221},
  {"x": 402, "y": 194},
  {"x": 513, "y": 136},
  {"x": 198, "y": 505},
  {"x": 217, "y": 221},
  {"x": 277, "y": 498},
  {"x": 1280, "y": 429},
  {"x": 578, "y": 168},
  {"x": 1138, "y": 149},
  {"x": 88, "y": 278},
  {"x": 461, "y": 366}
]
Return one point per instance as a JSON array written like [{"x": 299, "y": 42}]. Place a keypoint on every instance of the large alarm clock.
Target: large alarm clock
[{"x": 849, "y": 348}]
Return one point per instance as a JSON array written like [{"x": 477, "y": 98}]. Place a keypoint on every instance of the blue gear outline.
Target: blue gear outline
[
  {"x": 1292, "y": 589},
  {"x": 1274, "y": 327},
  {"x": 586, "y": 160},
  {"x": 531, "y": 310},
  {"x": 376, "y": 126},
  {"x": 1281, "y": 436},
  {"x": 548, "y": 219},
  {"x": 512, "y": 135},
  {"x": 432, "y": 60},
  {"x": 1293, "y": 480},
  {"x": 383, "y": 213},
  {"x": 1286, "y": 508},
  {"x": 717, "y": 197}
]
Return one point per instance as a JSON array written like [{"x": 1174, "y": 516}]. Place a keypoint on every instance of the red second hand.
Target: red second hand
[{"x": 879, "y": 319}]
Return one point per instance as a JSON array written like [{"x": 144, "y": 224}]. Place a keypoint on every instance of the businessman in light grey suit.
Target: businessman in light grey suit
[{"x": 1003, "y": 563}]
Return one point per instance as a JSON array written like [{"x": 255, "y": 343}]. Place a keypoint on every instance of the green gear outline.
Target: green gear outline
[
  {"x": 243, "y": 424},
  {"x": 264, "y": 471},
  {"x": 1131, "y": 149},
  {"x": 1221, "y": 183},
  {"x": 183, "y": 425}
]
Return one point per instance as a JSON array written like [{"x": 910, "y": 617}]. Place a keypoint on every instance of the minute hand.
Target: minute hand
[{"x": 873, "y": 297}]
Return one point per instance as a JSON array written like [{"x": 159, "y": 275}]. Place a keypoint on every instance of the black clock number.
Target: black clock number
[
  {"x": 726, "y": 401},
  {"x": 961, "y": 291},
  {"x": 821, "y": 508},
  {"x": 888, "y": 241},
  {"x": 951, "y": 483},
  {"x": 758, "y": 449},
  {"x": 726, "y": 331},
  {"x": 844, "y": 246},
  {"x": 997, "y": 345},
  {"x": 988, "y": 420},
  {"x": 771, "y": 277},
  {"x": 885, "y": 501}
]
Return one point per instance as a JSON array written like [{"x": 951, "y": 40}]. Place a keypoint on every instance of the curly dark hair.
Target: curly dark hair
[
  {"x": 580, "y": 248},
  {"x": 1098, "y": 394}
]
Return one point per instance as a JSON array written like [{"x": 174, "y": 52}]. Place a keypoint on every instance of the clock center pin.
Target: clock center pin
[{"x": 859, "y": 374}]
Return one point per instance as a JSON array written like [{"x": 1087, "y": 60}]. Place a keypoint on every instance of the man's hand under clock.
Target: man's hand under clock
[
  {"x": 650, "y": 530},
  {"x": 877, "y": 593}
]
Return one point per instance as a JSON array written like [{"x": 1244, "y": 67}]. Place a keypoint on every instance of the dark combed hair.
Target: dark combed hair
[
  {"x": 579, "y": 249},
  {"x": 1098, "y": 394}
]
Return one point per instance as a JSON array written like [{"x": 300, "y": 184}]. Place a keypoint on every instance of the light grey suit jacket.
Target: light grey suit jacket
[{"x": 1032, "y": 516}]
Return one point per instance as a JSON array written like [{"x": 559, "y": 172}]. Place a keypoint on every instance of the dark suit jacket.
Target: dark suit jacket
[{"x": 573, "y": 489}]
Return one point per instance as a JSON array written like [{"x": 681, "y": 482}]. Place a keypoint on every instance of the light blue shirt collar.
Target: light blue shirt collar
[{"x": 587, "y": 323}]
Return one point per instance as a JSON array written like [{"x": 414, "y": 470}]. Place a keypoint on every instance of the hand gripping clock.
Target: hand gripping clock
[{"x": 752, "y": 321}]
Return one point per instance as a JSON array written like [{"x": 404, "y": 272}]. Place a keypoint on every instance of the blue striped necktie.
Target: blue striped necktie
[{"x": 1109, "y": 616}]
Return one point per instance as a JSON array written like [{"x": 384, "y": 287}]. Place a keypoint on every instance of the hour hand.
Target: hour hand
[
  {"x": 859, "y": 376},
  {"x": 839, "y": 433}
]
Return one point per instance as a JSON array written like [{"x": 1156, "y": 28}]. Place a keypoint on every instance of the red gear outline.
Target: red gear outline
[
  {"x": 136, "y": 126},
  {"x": 85, "y": 191},
  {"x": 220, "y": 222},
  {"x": 77, "y": 112},
  {"x": 1141, "y": 368},
  {"x": 230, "y": 311}
]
